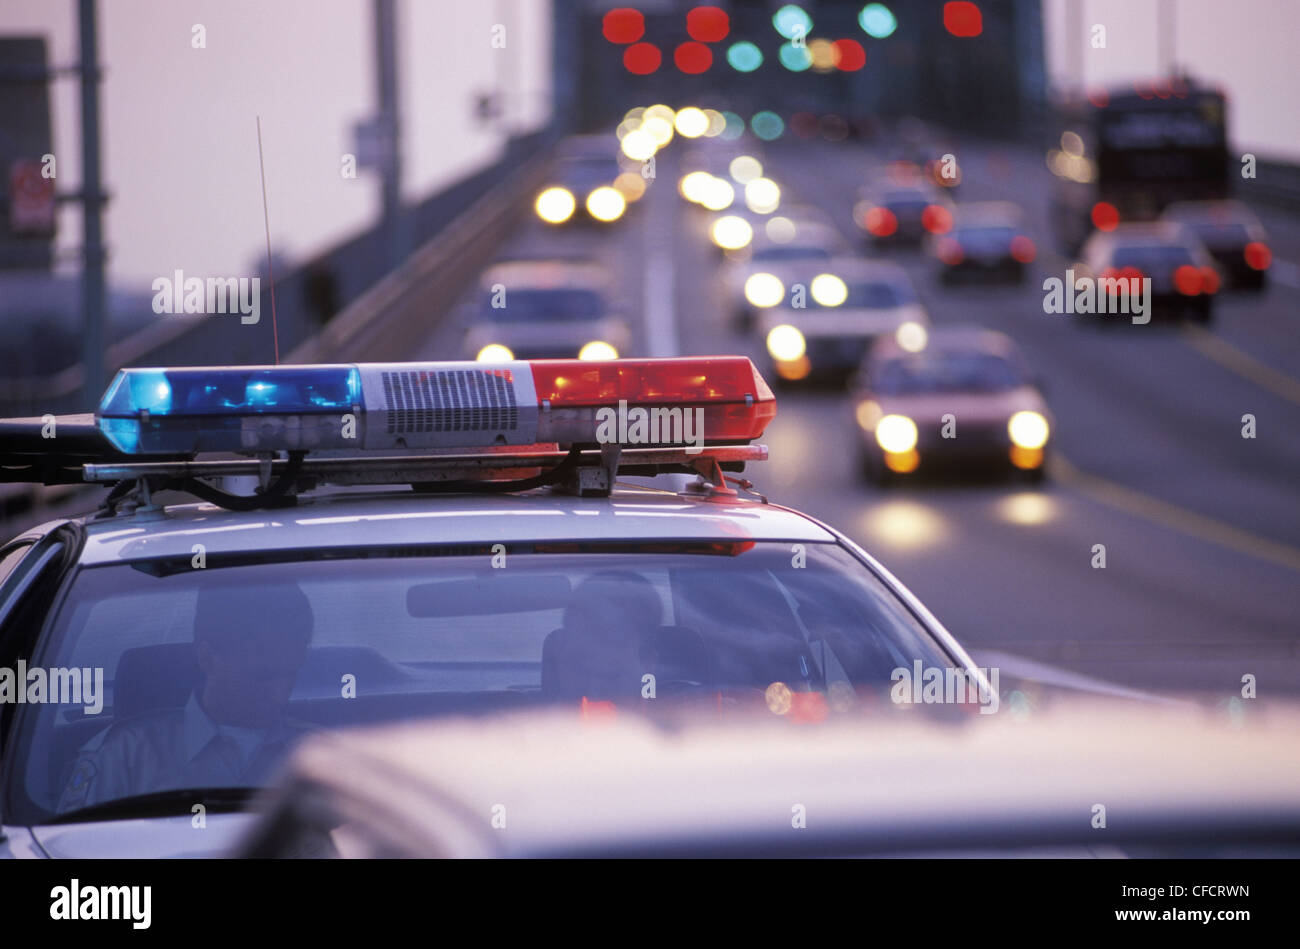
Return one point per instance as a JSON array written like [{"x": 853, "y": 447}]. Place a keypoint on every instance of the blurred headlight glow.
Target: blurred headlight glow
[
  {"x": 555, "y": 205},
  {"x": 638, "y": 145},
  {"x": 691, "y": 122},
  {"x": 785, "y": 343},
  {"x": 779, "y": 230},
  {"x": 764, "y": 289},
  {"x": 732, "y": 232},
  {"x": 597, "y": 349},
  {"x": 745, "y": 168},
  {"x": 494, "y": 352},
  {"x": 718, "y": 194},
  {"x": 911, "y": 336},
  {"x": 828, "y": 289},
  {"x": 762, "y": 196},
  {"x": 896, "y": 433},
  {"x": 1027, "y": 430},
  {"x": 606, "y": 204}
]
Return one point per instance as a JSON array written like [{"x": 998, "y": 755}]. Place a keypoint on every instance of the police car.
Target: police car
[{"x": 375, "y": 543}]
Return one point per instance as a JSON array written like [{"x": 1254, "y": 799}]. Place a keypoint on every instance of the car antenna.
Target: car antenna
[{"x": 266, "y": 218}]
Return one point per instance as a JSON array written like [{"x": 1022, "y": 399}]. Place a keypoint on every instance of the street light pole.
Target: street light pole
[{"x": 92, "y": 280}]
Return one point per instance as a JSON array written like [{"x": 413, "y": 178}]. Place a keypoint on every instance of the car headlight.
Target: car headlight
[
  {"x": 1028, "y": 430},
  {"x": 598, "y": 349},
  {"x": 911, "y": 336},
  {"x": 785, "y": 342},
  {"x": 828, "y": 289},
  {"x": 732, "y": 232},
  {"x": 764, "y": 289},
  {"x": 896, "y": 433},
  {"x": 606, "y": 204},
  {"x": 494, "y": 352},
  {"x": 555, "y": 205}
]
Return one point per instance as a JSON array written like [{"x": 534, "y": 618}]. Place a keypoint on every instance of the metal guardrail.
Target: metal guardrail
[{"x": 1275, "y": 182}]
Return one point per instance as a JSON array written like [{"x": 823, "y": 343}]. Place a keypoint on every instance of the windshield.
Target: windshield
[
  {"x": 947, "y": 372},
  {"x": 210, "y": 676},
  {"x": 548, "y": 306},
  {"x": 791, "y": 252},
  {"x": 1153, "y": 258}
]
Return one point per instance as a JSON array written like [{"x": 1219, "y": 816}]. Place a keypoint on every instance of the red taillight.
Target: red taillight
[
  {"x": 950, "y": 252},
  {"x": 1188, "y": 280},
  {"x": 1130, "y": 279},
  {"x": 1105, "y": 216},
  {"x": 936, "y": 219},
  {"x": 1022, "y": 249},
  {"x": 1258, "y": 256},
  {"x": 737, "y": 402},
  {"x": 881, "y": 221},
  {"x": 1209, "y": 280}
]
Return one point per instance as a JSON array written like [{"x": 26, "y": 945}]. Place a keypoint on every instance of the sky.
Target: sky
[
  {"x": 180, "y": 134},
  {"x": 180, "y": 139}
]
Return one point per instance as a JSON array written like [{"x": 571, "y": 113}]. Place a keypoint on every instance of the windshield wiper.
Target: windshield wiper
[{"x": 162, "y": 804}]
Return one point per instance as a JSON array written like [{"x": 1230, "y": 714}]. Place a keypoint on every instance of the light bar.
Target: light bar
[{"x": 433, "y": 405}]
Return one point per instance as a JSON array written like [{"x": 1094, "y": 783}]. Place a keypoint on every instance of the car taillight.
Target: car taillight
[
  {"x": 881, "y": 221},
  {"x": 1258, "y": 256},
  {"x": 1189, "y": 281},
  {"x": 1022, "y": 249},
  {"x": 1130, "y": 278},
  {"x": 950, "y": 252},
  {"x": 1105, "y": 216},
  {"x": 1209, "y": 280},
  {"x": 936, "y": 219}
]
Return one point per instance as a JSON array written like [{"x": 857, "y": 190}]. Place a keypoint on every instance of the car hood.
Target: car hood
[{"x": 153, "y": 837}]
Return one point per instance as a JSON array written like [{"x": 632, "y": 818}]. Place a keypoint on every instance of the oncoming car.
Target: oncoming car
[
  {"x": 964, "y": 401},
  {"x": 774, "y": 262},
  {"x": 542, "y": 309},
  {"x": 416, "y": 540},
  {"x": 824, "y": 327}
]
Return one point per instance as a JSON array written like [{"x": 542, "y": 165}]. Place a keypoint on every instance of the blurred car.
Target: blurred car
[
  {"x": 539, "y": 309},
  {"x": 429, "y": 539},
  {"x": 965, "y": 401},
  {"x": 1168, "y": 780},
  {"x": 1232, "y": 234},
  {"x": 824, "y": 328},
  {"x": 583, "y": 184},
  {"x": 759, "y": 276},
  {"x": 987, "y": 241},
  {"x": 1184, "y": 279},
  {"x": 892, "y": 215}
]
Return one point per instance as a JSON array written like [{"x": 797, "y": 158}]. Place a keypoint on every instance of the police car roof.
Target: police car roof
[{"x": 400, "y": 518}]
